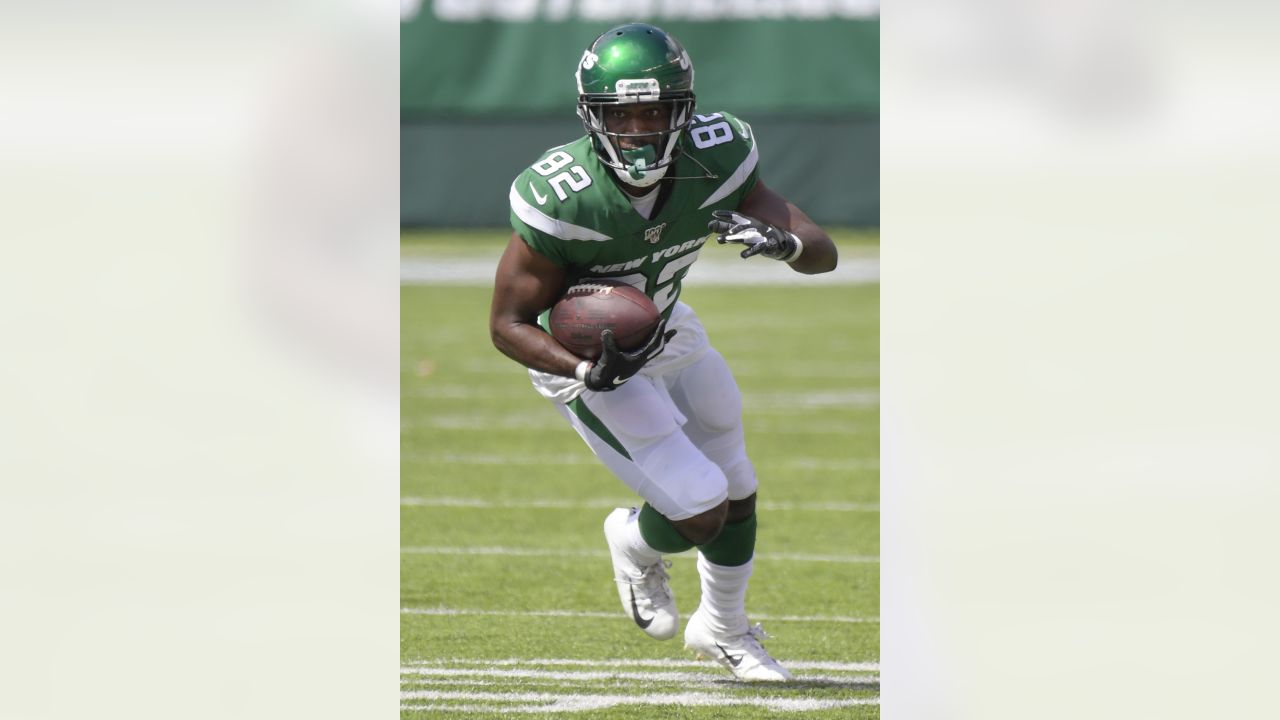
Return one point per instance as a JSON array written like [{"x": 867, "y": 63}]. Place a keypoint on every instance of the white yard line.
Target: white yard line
[
  {"x": 656, "y": 662},
  {"x": 815, "y": 464},
  {"x": 608, "y": 503},
  {"x": 515, "y": 552},
  {"x": 478, "y": 422},
  {"x": 819, "y": 506},
  {"x": 714, "y": 675},
  {"x": 808, "y": 401},
  {"x": 843, "y": 464},
  {"x": 553, "y": 702},
  {"x": 551, "y": 552},
  {"x": 482, "y": 422},
  {"x": 543, "y": 690},
  {"x": 705, "y": 272},
  {"x": 758, "y": 401},
  {"x": 812, "y": 557},
  {"x": 499, "y": 459},
  {"x": 597, "y": 614},
  {"x": 448, "y": 271}
]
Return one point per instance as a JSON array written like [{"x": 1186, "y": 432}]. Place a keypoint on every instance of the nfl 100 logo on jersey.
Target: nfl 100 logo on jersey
[{"x": 654, "y": 234}]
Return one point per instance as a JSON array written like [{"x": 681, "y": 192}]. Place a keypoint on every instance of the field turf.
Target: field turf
[{"x": 507, "y": 599}]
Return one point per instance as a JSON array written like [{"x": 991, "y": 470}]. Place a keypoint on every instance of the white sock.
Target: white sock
[
  {"x": 633, "y": 543},
  {"x": 724, "y": 596}
]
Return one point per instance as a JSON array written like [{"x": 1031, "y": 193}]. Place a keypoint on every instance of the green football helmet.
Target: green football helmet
[{"x": 635, "y": 63}]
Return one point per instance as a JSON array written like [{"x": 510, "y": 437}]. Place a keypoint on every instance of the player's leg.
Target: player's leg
[
  {"x": 635, "y": 431},
  {"x": 708, "y": 396},
  {"x": 678, "y": 521}
]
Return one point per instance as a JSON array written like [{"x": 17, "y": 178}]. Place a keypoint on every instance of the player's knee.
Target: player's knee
[
  {"x": 740, "y": 510},
  {"x": 704, "y": 527},
  {"x": 722, "y": 418},
  {"x": 740, "y": 475}
]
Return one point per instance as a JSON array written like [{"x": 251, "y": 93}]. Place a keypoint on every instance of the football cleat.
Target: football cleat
[
  {"x": 644, "y": 591},
  {"x": 741, "y": 654}
]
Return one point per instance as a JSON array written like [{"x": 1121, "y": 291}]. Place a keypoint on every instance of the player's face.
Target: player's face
[{"x": 638, "y": 118}]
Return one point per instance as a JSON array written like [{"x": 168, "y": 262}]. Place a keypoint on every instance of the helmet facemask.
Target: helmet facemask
[
  {"x": 631, "y": 65},
  {"x": 647, "y": 164}
]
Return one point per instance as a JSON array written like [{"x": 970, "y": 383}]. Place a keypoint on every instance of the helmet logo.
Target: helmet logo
[
  {"x": 685, "y": 62},
  {"x": 589, "y": 60},
  {"x": 639, "y": 90}
]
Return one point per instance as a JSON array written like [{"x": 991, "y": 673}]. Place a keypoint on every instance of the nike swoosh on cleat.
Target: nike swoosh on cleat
[
  {"x": 734, "y": 661},
  {"x": 635, "y": 613},
  {"x": 542, "y": 199}
]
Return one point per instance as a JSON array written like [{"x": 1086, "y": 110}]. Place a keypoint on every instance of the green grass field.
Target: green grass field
[{"x": 508, "y": 602}]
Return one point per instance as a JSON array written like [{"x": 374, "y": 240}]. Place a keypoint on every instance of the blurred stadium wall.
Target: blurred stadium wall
[{"x": 487, "y": 85}]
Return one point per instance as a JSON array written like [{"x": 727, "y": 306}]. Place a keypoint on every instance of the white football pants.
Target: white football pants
[{"x": 673, "y": 433}]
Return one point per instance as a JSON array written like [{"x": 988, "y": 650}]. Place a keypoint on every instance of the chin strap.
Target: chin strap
[{"x": 707, "y": 174}]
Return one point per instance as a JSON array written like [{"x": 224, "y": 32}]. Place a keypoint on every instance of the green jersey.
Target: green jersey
[{"x": 568, "y": 207}]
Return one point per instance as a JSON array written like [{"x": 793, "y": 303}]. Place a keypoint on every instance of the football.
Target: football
[{"x": 588, "y": 309}]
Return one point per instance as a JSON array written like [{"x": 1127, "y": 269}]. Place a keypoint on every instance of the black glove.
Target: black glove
[
  {"x": 760, "y": 237},
  {"x": 616, "y": 367}
]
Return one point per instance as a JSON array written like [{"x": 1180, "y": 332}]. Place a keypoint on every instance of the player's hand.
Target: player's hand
[
  {"x": 616, "y": 367},
  {"x": 760, "y": 237}
]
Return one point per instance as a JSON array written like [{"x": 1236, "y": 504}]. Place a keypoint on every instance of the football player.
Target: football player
[{"x": 633, "y": 200}]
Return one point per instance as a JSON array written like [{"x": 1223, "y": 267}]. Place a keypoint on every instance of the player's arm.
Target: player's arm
[
  {"x": 771, "y": 226},
  {"x": 526, "y": 284}
]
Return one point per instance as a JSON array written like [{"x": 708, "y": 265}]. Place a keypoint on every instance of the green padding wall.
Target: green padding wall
[
  {"x": 746, "y": 67},
  {"x": 456, "y": 172}
]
